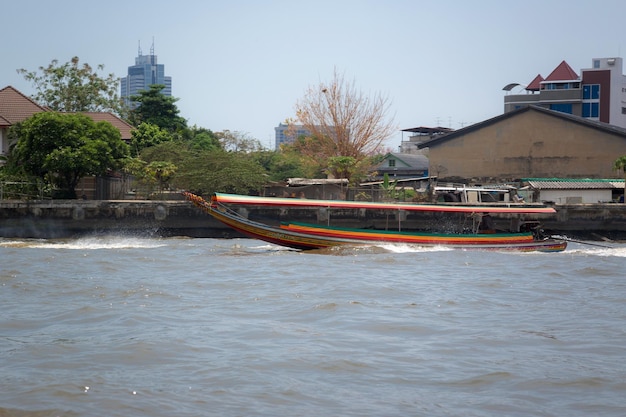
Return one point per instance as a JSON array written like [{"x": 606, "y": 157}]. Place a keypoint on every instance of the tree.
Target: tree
[
  {"x": 200, "y": 138},
  {"x": 226, "y": 172},
  {"x": 63, "y": 148},
  {"x": 238, "y": 142},
  {"x": 158, "y": 109},
  {"x": 279, "y": 165},
  {"x": 207, "y": 171},
  {"x": 343, "y": 122},
  {"x": 620, "y": 164},
  {"x": 72, "y": 87},
  {"x": 389, "y": 187},
  {"x": 146, "y": 135},
  {"x": 160, "y": 172}
]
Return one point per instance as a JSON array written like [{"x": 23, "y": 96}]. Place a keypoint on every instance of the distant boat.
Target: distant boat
[{"x": 305, "y": 236}]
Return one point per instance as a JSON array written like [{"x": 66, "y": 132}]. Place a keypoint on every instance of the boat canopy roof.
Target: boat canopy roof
[{"x": 449, "y": 208}]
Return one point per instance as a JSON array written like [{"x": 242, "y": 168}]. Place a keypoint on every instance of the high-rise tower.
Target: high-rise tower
[{"x": 142, "y": 75}]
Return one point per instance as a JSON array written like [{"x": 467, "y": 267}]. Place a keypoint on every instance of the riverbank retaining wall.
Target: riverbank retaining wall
[{"x": 70, "y": 218}]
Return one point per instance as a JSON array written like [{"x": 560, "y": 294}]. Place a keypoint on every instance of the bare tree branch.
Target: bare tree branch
[{"x": 343, "y": 121}]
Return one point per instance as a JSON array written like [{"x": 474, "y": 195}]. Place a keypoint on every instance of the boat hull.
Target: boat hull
[{"x": 305, "y": 236}]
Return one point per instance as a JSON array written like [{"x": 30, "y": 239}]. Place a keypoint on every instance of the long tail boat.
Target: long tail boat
[{"x": 305, "y": 236}]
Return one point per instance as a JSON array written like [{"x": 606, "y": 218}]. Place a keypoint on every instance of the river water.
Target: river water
[{"x": 128, "y": 326}]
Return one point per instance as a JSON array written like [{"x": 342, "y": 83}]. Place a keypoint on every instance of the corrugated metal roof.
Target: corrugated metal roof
[
  {"x": 546, "y": 184},
  {"x": 316, "y": 181}
]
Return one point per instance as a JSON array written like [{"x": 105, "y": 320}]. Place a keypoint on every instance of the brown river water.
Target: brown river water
[{"x": 129, "y": 326}]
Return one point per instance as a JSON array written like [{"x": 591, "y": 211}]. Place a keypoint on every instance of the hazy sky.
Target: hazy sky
[{"x": 242, "y": 65}]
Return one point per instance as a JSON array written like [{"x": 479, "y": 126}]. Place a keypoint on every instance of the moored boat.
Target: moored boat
[{"x": 305, "y": 236}]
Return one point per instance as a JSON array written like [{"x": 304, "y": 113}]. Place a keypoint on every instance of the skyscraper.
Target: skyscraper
[{"x": 142, "y": 75}]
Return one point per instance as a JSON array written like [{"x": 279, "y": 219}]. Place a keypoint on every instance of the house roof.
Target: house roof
[
  {"x": 605, "y": 127},
  {"x": 416, "y": 161},
  {"x": 4, "y": 122},
  {"x": 573, "y": 184},
  {"x": 535, "y": 84},
  {"x": 563, "y": 72},
  {"x": 16, "y": 107},
  {"x": 124, "y": 128}
]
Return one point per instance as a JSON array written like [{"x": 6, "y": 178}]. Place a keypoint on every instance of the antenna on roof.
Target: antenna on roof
[
  {"x": 152, "y": 47},
  {"x": 139, "y": 44}
]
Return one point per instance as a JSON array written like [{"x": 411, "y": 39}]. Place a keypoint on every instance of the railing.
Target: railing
[{"x": 21, "y": 190}]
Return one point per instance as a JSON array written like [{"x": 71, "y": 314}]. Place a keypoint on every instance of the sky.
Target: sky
[{"x": 241, "y": 65}]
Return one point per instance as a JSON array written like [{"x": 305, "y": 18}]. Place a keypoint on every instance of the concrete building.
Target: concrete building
[
  {"x": 142, "y": 75},
  {"x": 418, "y": 135},
  {"x": 598, "y": 93},
  {"x": 571, "y": 191},
  {"x": 288, "y": 133},
  {"x": 531, "y": 142}
]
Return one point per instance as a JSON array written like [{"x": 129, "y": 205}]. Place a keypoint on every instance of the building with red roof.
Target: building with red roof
[
  {"x": 598, "y": 93},
  {"x": 16, "y": 107}
]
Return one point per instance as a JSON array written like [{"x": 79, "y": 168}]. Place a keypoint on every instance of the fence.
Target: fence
[{"x": 22, "y": 190}]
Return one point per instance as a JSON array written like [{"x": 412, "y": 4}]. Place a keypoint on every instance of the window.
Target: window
[
  {"x": 591, "y": 110},
  {"x": 596, "y": 63},
  {"x": 392, "y": 163},
  {"x": 560, "y": 86},
  {"x": 591, "y": 92}
]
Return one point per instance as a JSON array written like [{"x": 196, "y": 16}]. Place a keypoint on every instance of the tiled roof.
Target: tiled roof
[
  {"x": 124, "y": 128},
  {"x": 535, "y": 84},
  {"x": 16, "y": 107},
  {"x": 4, "y": 122},
  {"x": 562, "y": 73}
]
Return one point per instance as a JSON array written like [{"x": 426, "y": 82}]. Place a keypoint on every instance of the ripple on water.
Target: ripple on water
[{"x": 181, "y": 326}]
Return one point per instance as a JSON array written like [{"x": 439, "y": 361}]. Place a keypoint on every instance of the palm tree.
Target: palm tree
[{"x": 620, "y": 164}]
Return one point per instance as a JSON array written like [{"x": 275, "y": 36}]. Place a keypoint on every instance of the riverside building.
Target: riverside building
[{"x": 598, "y": 93}]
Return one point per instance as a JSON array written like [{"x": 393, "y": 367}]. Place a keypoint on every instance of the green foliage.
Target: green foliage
[
  {"x": 147, "y": 135},
  {"x": 208, "y": 171},
  {"x": 224, "y": 172},
  {"x": 279, "y": 165},
  {"x": 389, "y": 187},
  {"x": 175, "y": 152},
  {"x": 21, "y": 187},
  {"x": 341, "y": 166},
  {"x": 72, "y": 87},
  {"x": 160, "y": 172},
  {"x": 309, "y": 167},
  {"x": 350, "y": 168},
  {"x": 63, "y": 148},
  {"x": 157, "y": 109},
  {"x": 201, "y": 139},
  {"x": 620, "y": 164}
]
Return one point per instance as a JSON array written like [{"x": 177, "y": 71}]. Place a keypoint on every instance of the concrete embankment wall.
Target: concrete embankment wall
[{"x": 69, "y": 218}]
